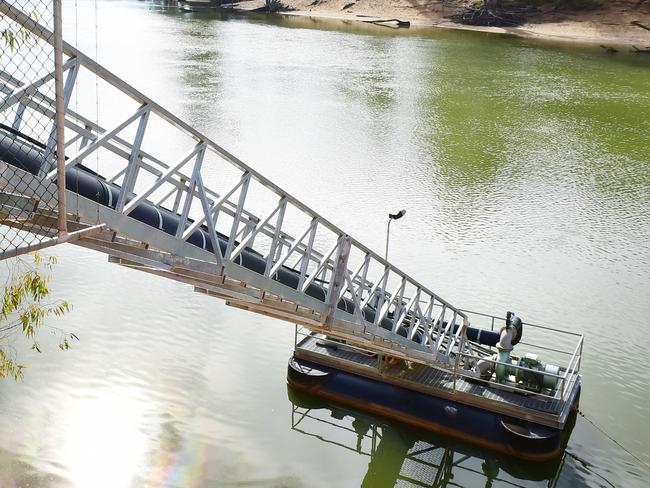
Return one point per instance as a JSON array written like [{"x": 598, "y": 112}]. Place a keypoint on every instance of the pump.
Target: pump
[{"x": 535, "y": 377}]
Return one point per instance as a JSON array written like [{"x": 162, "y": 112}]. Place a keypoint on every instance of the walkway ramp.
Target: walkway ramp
[{"x": 176, "y": 204}]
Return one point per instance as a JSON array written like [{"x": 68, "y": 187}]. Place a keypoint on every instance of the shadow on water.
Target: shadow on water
[
  {"x": 399, "y": 455},
  {"x": 354, "y": 26}
]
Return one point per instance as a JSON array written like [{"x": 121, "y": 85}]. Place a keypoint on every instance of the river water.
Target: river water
[{"x": 524, "y": 169}]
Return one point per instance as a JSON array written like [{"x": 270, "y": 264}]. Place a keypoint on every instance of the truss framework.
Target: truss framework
[{"x": 320, "y": 252}]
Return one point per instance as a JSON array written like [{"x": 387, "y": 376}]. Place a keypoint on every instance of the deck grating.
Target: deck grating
[{"x": 422, "y": 375}]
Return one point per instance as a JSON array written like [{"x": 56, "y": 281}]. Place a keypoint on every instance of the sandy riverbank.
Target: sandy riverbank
[{"x": 609, "y": 24}]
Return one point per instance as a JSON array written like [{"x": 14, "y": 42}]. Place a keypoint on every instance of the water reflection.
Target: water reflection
[
  {"x": 114, "y": 420},
  {"x": 16, "y": 472},
  {"x": 402, "y": 456}
]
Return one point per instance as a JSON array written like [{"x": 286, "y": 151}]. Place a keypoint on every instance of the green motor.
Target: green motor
[{"x": 536, "y": 376}]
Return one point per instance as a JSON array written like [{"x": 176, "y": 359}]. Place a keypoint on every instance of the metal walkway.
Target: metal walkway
[
  {"x": 364, "y": 299},
  {"x": 173, "y": 203}
]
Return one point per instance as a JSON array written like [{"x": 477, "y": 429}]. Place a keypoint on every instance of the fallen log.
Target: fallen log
[
  {"x": 639, "y": 24},
  {"x": 609, "y": 49},
  {"x": 399, "y": 23},
  {"x": 636, "y": 50}
]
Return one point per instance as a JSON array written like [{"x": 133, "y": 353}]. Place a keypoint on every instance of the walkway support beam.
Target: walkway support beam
[{"x": 54, "y": 241}]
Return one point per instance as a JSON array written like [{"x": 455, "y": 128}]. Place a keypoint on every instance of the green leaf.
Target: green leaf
[{"x": 22, "y": 304}]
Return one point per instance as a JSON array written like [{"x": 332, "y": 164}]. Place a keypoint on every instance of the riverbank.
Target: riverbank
[{"x": 609, "y": 24}]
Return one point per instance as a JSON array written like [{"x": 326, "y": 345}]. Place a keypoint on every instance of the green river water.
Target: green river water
[{"x": 525, "y": 171}]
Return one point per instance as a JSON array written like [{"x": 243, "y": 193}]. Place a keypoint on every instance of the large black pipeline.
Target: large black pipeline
[{"x": 27, "y": 154}]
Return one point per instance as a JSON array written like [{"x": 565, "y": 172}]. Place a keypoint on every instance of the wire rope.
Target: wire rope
[
  {"x": 97, "y": 102},
  {"x": 600, "y": 429}
]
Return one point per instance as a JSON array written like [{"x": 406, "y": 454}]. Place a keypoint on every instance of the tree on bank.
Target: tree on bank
[
  {"x": 514, "y": 12},
  {"x": 492, "y": 4},
  {"x": 492, "y": 13},
  {"x": 25, "y": 306}
]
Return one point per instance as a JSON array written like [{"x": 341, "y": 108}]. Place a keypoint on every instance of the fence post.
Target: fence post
[{"x": 59, "y": 116}]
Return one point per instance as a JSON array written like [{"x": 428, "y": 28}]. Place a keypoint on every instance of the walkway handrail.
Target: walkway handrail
[
  {"x": 572, "y": 369},
  {"x": 331, "y": 264}
]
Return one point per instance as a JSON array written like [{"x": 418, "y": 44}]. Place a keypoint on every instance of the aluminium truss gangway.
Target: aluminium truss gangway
[
  {"x": 319, "y": 277},
  {"x": 158, "y": 196}
]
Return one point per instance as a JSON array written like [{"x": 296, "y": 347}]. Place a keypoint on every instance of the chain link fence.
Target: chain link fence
[{"x": 28, "y": 194}]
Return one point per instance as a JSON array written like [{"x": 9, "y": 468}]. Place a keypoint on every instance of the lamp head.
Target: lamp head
[{"x": 398, "y": 215}]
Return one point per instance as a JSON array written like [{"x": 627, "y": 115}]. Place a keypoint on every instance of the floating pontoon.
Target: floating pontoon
[{"x": 499, "y": 398}]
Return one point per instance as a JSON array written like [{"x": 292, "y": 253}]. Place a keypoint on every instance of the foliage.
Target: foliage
[
  {"x": 578, "y": 4},
  {"x": 510, "y": 13},
  {"x": 558, "y": 4},
  {"x": 15, "y": 39},
  {"x": 272, "y": 6},
  {"x": 24, "y": 310}
]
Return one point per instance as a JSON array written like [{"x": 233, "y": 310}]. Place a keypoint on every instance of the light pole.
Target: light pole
[{"x": 392, "y": 217}]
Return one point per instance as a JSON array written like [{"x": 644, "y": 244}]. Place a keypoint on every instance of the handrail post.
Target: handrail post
[
  {"x": 338, "y": 277},
  {"x": 582, "y": 341},
  {"x": 571, "y": 368},
  {"x": 461, "y": 348}
]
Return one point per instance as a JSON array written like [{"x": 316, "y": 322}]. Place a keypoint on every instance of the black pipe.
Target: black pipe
[{"x": 85, "y": 182}]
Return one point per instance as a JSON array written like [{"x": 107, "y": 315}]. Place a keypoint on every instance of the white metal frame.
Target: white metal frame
[{"x": 184, "y": 182}]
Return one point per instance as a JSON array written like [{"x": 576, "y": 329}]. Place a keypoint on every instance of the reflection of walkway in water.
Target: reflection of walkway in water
[{"x": 401, "y": 456}]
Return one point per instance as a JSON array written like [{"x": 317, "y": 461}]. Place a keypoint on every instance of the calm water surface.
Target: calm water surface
[{"x": 525, "y": 171}]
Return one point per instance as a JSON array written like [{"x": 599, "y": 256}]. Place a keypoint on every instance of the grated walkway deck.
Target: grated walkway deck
[{"x": 431, "y": 380}]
